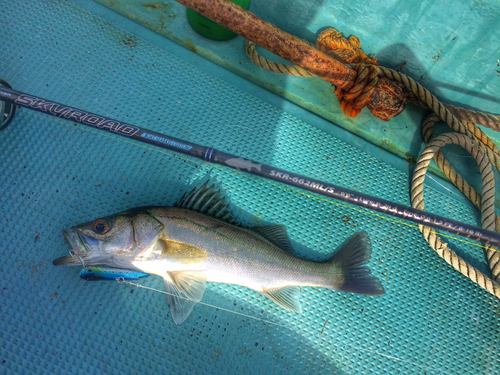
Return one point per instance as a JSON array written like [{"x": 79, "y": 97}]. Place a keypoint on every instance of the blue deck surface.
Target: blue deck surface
[{"x": 55, "y": 174}]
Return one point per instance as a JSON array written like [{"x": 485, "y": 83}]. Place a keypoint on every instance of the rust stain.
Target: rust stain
[
  {"x": 130, "y": 41},
  {"x": 190, "y": 45},
  {"x": 218, "y": 354},
  {"x": 438, "y": 56},
  {"x": 411, "y": 160},
  {"x": 163, "y": 10},
  {"x": 346, "y": 219},
  {"x": 164, "y": 7}
]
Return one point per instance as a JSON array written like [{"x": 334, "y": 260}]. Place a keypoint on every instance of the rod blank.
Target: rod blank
[{"x": 211, "y": 155}]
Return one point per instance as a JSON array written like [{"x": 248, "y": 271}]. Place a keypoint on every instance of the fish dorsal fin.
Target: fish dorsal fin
[
  {"x": 180, "y": 306},
  {"x": 277, "y": 235},
  {"x": 190, "y": 283},
  {"x": 287, "y": 297},
  {"x": 209, "y": 201}
]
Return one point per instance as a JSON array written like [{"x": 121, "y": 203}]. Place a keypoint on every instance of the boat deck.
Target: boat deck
[{"x": 55, "y": 174}]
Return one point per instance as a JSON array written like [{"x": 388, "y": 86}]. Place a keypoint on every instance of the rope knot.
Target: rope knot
[
  {"x": 360, "y": 94},
  {"x": 387, "y": 101},
  {"x": 348, "y": 51}
]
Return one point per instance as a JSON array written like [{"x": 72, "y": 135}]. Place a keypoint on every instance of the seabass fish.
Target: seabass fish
[{"x": 198, "y": 240}]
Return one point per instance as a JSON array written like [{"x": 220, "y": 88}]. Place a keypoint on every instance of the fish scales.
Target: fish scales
[{"x": 236, "y": 251}]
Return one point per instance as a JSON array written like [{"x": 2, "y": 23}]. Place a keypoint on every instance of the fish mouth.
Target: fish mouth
[{"x": 78, "y": 250}]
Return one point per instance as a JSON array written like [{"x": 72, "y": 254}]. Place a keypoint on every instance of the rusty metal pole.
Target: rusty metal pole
[
  {"x": 385, "y": 98},
  {"x": 270, "y": 37}
]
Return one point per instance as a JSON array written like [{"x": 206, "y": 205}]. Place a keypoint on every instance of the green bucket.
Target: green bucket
[{"x": 208, "y": 28}]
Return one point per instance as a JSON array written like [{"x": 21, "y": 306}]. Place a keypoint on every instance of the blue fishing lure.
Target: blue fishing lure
[{"x": 106, "y": 273}]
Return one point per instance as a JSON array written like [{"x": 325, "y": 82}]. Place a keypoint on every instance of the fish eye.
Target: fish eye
[
  {"x": 90, "y": 271},
  {"x": 101, "y": 226}
]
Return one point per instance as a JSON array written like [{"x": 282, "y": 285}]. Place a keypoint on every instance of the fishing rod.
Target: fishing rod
[{"x": 10, "y": 98}]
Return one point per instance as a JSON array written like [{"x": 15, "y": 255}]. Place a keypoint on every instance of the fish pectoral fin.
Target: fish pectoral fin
[
  {"x": 277, "y": 235},
  {"x": 181, "y": 252},
  {"x": 180, "y": 306},
  {"x": 191, "y": 283},
  {"x": 287, "y": 297}
]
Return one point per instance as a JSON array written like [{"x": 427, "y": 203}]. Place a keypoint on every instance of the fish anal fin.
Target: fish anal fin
[
  {"x": 286, "y": 297},
  {"x": 277, "y": 235},
  {"x": 190, "y": 283}
]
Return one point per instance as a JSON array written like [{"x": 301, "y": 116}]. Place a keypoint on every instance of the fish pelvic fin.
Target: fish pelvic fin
[
  {"x": 355, "y": 277},
  {"x": 191, "y": 283},
  {"x": 184, "y": 290},
  {"x": 180, "y": 305}
]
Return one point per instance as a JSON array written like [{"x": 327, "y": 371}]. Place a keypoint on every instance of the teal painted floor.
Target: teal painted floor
[{"x": 55, "y": 174}]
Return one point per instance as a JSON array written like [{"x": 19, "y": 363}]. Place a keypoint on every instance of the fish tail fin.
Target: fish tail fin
[{"x": 355, "y": 278}]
